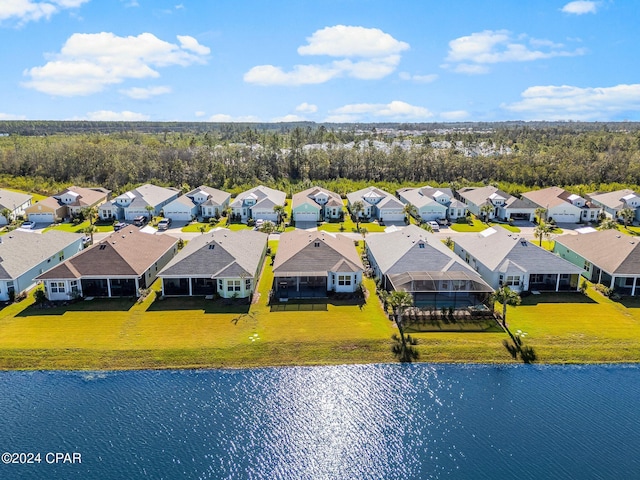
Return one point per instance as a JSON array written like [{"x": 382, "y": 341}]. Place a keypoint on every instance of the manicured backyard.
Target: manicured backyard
[{"x": 198, "y": 333}]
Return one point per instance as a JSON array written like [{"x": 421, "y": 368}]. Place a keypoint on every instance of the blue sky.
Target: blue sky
[{"x": 322, "y": 60}]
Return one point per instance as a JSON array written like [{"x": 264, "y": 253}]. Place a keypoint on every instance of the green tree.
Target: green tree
[
  {"x": 542, "y": 230},
  {"x": 150, "y": 209},
  {"x": 541, "y": 214},
  {"x": 485, "y": 211},
  {"x": 608, "y": 224},
  {"x": 267, "y": 227},
  {"x": 90, "y": 213},
  {"x": 90, "y": 230},
  {"x": 410, "y": 210},
  {"x": 280, "y": 212},
  {"x": 357, "y": 208},
  {"x": 627, "y": 214},
  {"x": 6, "y": 213},
  {"x": 399, "y": 301},
  {"x": 505, "y": 296}
]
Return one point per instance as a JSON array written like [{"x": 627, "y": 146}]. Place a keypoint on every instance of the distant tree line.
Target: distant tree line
[{"x": 587, "y": 157}]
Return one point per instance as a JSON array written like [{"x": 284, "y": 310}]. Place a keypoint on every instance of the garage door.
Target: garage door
[
  {"x": 178, "y": 216},
  {"x": 564, "y": 218},
  {"x": 306, "y": 217},
  {"x": 41, "y": 217},
  {"x": 392, "y": 217}
]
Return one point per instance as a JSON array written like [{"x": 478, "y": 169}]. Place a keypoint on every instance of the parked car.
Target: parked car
[
  {"x": 434, "y": 225},
  {"x": 140, "y": 221},
  {"x": 119, "y": 226},
  {"x": 28, "y": 224},
  {"x": 164, "y": 224}
]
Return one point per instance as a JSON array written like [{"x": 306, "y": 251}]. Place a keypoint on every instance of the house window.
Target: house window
[
  {"x": 247, "y": 284},
  {"x": 587, "y": 265},
  {"x": 421, "y": 245},
  {"x": 220, "y": 285},
  {"x": 628, "y": 282},
  {"x": 211, "y": 246},
  {"x": 74, "y": 286},
  {"x": 536, "y": 278},
  {"x": 466, "y": 257},
  {"x": 57, "y": 287},
  {"x": 233, "y": 285},
  {"x": 316, "y": 244},
  {"x": 344, "y": 279},
  {"x": 513, "y": 280}
]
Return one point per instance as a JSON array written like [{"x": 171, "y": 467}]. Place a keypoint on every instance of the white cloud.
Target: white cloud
[
  {"x": 300, "y": 75},
  {"x": 24, "y": 11},
  {"x": 349, "y": 41},
  {"x": 140, "y": 93},
  {"x": 395, "y": 110},
  {"x": 11, "y": 116},
  {"x": 454, "y": 115},
  {"x": 580, "y": 7},
  {"x": 367, "y": 54},
  {"x": 200, "y": 113},
  {"x": 288, "y": 118},
  {"x": 224, "y": 118},
  {"x": 472, "y": 53},
  {"x": 88, "y": 63},
  {"x": 418, "y": 78},
  {"x": 575, "y": 103},
  {"x": 307, "y": 108},
  {"x": 109, "y": 116}
]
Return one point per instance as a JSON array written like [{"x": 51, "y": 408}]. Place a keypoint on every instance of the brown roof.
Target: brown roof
[
  {"x": 88, "y": 196},
  {"x": 548, "y": 197},
  {"x": 298, "y": 254},
  {"x": 304, "y": 197},
  {"x": 612, "y": 251},
  {"x": 48, "y": 204},
  {"x": 128, "y": 252}
]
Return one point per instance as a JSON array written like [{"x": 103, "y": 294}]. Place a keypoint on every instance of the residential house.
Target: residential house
[
  {"x": 378, "y": 204},
  {"x": 25, "y": 255},
  {"x": 221, "y": 262},
  {"x": 15, "y": 202},
  {"x": 117, "y": 266},
  {"x": 433, "y": 203},
  {"x": 612, "y": 203},
  {"x": 258, "y": 204},
  {"x": 504, "y": 206},
  {"x": 310, "y": 264},
  {"x": 607, "y": 256},
  {"x": 211, "y": 202},
  {"x": 67, "y": 203},
  {"x": 416, "y": 261},
  {"x": 145, "y": 201},
  {"x": 563, "y": 206},
  {"x": 505, "y": 258},
  {"x": 316, "y": 204}
]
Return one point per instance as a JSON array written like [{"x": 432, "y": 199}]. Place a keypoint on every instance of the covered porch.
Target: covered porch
[
  {"x": 188, "y": 286},
  {"x": 302, "y": 285},
  {"x": 554, "y": 282},
  {"x": 456, "y": 290},
  {"x": 110, "y": 287}
]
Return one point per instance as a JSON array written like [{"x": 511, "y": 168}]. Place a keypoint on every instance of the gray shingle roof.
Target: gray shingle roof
[
  {"x": 497, "y": 249},
  {"x": 216, "y": 197},
  {"x": 612, "y": 200},
  {"x": 233, "y": 254},
  {"x": 413, "y": 249},
  {"x": 21, "y": 251},
  {"x": 305, "y": 197},
  {"x": 12, "y": 200},
  {"x": 262, "y": 194}
]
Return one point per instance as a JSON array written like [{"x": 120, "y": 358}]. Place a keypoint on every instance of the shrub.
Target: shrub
[{"x": 603, "y": 289}]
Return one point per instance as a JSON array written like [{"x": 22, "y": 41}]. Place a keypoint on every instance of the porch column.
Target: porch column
[
  {"x": 633, "y": 289},
  {"x": 162, "y": 283},
  {"x": 109, "y": 287},
  {"x": 191, "y": 287},
  {"x": 600, "y": 276},
  {"x": 558, "y": 283},
  {"x": 298, "y": 283},
  {"x": 137, "y": 280},
  {"x": 613, "y": 279}
]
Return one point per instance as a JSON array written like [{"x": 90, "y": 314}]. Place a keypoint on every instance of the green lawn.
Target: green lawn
[
  {"x": 78, "y": 228},
  {"x": 479, "y": 226},
  {"x": 194, "y": 333}
]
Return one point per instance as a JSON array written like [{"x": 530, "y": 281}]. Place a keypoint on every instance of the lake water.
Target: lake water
[{"x": 338, "y": 422}]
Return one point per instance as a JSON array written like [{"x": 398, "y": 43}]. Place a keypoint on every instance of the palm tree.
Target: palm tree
[
  {"x": 410, "y": 210},
  {"x": 279, "y": 211},
  {"x": 150, "y": 209},
  {"x": 541, "y": 212},
  {"x": 90, "y": 230},
  {"x": 542, "y": 230},
  {"x": 506, "y": 296},
  {"x": 357, "y": 208},
  {"x": 90, "y": 213},
  {"x": 627, "y": 214},
  {"x": 486, "y": 210},
  {"x": 399, "y": 301}
]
